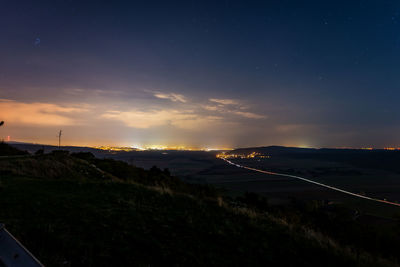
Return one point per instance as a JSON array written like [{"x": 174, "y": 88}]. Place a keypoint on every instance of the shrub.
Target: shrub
[
  {"x": 7, "y": 150},
  {"x": 84, "y": 155},
  {"x": 39, "y": 152}
]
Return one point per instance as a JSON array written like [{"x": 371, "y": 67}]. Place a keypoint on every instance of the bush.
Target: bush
[
  {"x": 7, "y": 150},
  {"x": 254, "y": 200},
  {"x": 60, "y": 153},
  {"x": 84, "y": 155},
  {"x": 39, "y": 152}
]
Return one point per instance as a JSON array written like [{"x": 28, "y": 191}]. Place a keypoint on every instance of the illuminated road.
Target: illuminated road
[{"x": 313, "y": 182}]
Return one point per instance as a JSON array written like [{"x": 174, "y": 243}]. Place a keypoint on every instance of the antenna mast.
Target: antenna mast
[{"x": 59, "y": 140}]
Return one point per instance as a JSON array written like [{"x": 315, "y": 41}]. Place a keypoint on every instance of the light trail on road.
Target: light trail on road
[{"x": 313, "y": 182}]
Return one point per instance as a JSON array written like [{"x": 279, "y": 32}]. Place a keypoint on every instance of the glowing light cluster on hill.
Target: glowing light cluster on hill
[{"x": 251, "y": 155}]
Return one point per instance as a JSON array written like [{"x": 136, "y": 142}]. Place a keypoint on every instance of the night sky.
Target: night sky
[{"x": 201, "y": 73}]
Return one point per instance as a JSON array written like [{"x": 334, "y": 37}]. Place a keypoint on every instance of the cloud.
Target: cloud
[
  {"x": 154, "y": 118},
  {"x": 231, "y": 106},
  {"x": 224, "y": 101},
  {"x": 211, "y": 108},
  {"x": 249, "y": 115},
  {"x": 198, "y": 122},
  {"x": 171, "y": 96},
  {"x": 141, "y": 119},
  {"x": 38, "y": 113}
]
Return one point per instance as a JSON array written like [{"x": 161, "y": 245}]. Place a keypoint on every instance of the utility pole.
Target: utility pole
[
  {"x": 59, "y": 140},
  {"x": 1, "y": 124}
]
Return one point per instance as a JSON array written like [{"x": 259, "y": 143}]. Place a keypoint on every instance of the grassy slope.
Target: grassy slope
[
  {"x": 105, "y": 224},
  {"x": 109, "y": 222}
]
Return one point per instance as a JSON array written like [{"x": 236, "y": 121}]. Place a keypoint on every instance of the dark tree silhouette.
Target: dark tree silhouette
[{"x": 1, "y": 123}]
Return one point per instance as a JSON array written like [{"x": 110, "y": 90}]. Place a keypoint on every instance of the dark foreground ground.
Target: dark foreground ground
[
  {"x": 71, "y": 223},
  {"x": 81, "y": 211}
]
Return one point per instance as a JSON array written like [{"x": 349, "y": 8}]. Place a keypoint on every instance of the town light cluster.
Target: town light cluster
[
  {"x": 243, "y": 156},
  {"x": 113, "y": 148},
  {"x": 157, "y": 147}
]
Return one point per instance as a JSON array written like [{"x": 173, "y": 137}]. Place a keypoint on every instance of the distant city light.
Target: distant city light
[
  {"x": 158, "y": 147},
  {"x": 243, "y": 156}
]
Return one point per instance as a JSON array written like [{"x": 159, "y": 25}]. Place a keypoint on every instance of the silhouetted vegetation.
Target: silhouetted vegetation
[
  {"x": 39, "y": 152},
  {"x": 152, "y": 177},
  {"x": 78, "y": 210},
  {"x": 253, "y": 200},
  {"x": 349, "y": 227},
  {"x": 84, "y": 155},
  {"x": 7, "y": 150}
]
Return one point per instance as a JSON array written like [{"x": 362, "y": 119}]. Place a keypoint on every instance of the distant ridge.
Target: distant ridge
[
  {"x": 276, "y": 150},
  {"x": 32, "y": 148},
  {"x": 273, "y": 149}
]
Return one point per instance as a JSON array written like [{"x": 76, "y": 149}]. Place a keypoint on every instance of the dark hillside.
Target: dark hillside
[
  {"x": 7, "y": 150},
  {"x": 81, "y": 211}
]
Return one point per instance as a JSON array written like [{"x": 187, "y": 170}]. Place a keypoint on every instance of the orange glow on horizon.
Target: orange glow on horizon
[{"x": 158, "y": 147}]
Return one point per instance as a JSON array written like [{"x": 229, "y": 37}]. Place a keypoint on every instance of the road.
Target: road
[{"x": 313, "y": 182}]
